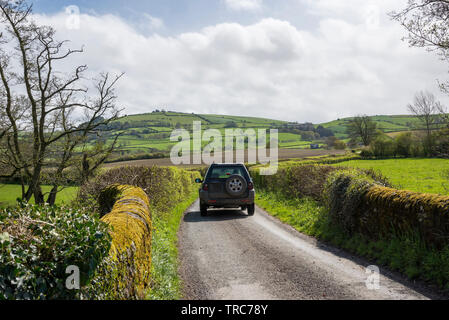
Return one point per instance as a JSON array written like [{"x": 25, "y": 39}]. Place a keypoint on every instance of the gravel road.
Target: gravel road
[{"x": 228, "y": 255}]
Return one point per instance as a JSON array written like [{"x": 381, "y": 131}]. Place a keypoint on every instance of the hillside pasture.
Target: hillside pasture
[{"x": 419, "y": 175}]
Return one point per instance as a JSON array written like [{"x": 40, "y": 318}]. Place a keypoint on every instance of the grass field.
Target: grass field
[
  {"x": 394, "y": 123},
  {"x": 149, "y": 133},
  {"x": 420, "y": 175},
  {"x": 10, "y": 192}
]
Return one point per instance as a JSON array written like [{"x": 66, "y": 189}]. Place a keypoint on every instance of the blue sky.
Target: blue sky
[
  {"x": 186, "y": 15},
  {"x": 298, "y": 60}
]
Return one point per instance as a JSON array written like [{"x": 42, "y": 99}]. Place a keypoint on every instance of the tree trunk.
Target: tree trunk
[{"x": 52, "y": 196}]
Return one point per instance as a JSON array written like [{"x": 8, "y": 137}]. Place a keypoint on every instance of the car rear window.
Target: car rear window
[{"x": 225, "y": 172}]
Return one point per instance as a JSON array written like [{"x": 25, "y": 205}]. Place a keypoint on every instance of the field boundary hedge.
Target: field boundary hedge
[
  {"x": 360, "y": 205},
  {"x": 363, "y": 201},
  {"x": 139, "y": 203}
]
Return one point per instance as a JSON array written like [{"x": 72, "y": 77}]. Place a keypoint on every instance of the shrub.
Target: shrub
[
  {"x": 367, "y": 153},
  {"x": 404, "y": 143},
  {"x": 38, "y": 243},
  {"x": 339, "y": 145},
  {"x": 383, "y": 147}
]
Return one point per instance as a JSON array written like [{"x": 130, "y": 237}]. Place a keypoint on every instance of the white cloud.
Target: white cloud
[
  {"x": 244, "y": 5},
  {"x": 153, "y": 23},
  {"x": 269, "y": 68}
]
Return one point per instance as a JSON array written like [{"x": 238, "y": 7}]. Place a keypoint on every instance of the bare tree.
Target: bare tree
[
  {"x": 427, "y": 110},
  {"x": 427, "y": 24},
  {"x": 362, "y": 127},
  {"x": 49, "y": 115}
]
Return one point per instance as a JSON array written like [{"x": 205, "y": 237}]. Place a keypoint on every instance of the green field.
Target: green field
[
  {"x": 394, "y": 123},
  {"x": 419, "y": 175},
  {"x": 149, "y": 133},
  {"x": 10, "y": 192}
]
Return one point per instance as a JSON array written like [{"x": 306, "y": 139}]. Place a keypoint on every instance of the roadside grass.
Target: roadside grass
[
  {"x": 10, "y": 192},
  {"x": 405, "y": 253},
  {"x": 419, "y": 175},
  {"x": 165, "y": 282}
]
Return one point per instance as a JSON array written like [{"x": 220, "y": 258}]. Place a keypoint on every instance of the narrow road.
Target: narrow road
[{"x": 228, "y": 255}]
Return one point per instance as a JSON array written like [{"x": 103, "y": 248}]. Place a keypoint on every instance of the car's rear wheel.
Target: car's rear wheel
[
  {"x": 203, "y": 210},
  {"x": 251, "y": 209},
  {"x": 236, "y": 185}
]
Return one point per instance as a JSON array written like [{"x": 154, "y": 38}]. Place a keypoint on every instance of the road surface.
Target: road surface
[{"x": 228, "y": 255}]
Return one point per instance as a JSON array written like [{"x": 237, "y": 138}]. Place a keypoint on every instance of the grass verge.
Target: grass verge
[
  {"x": 165, "y": 282},
  {"x": 405, "y": 253}
]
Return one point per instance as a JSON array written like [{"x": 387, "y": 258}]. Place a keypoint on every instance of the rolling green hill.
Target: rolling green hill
[
  {"x": 394, "y": 123},
  {"x": 148, "y": 135}
]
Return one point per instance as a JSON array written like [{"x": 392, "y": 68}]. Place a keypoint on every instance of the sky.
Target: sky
[{"x": 294, "y": 60}]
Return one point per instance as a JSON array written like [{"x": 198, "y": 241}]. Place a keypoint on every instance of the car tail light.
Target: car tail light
[
  {"x": 250, "y": 186},
  {"x": 205, "y": 187}
]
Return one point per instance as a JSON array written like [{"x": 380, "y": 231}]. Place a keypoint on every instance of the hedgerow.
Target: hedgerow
[
  {"x": 365, "y": 207},
  {"x": 165, "y": 186},
  {"x": 38, "y": 243},
  {"x": 166, "y": 189},
  {"x": 360, "y": 211}
]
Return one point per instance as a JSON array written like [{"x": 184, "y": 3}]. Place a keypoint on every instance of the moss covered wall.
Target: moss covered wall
[{"x": 130, "y": 219}]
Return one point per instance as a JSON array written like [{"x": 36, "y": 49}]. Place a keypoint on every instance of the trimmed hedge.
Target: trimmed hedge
[
  {"x": 295, "y": 181},
  {"x": 307, "y": 178},
  {"x": 360, "y": 205},
  {"x": 127, "y": 193},
  {"x": 130, "y": 219},
  {"x": 165, "y": 186}
]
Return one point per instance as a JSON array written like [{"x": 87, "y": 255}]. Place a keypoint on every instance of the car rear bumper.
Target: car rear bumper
[{"x": 227, "y": 202}]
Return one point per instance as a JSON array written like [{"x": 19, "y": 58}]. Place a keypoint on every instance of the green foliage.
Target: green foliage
[
  {"x": 404, "y": 144},
  {"x": 339, "y": 145},
  {"x": 165, "y": 186},
  {"x": 361, "y": 205},
  {"x": 383, "y": 146},
  {"x": 343, "y": 196},
  {"x": 295, "y": 181},
  {"x": 390, "y": 123},
  {"x": 38, "y": 243},
  {"x": 170, "y": 191}
]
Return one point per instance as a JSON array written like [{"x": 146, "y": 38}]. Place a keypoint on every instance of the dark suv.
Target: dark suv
[{"x": 227, "y": 186}]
